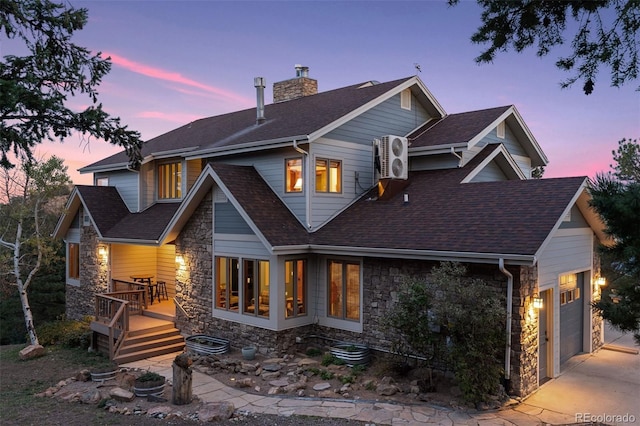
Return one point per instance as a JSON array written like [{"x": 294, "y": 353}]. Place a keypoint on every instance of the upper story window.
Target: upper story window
[
  {"x": 328, "y": 175},
  {"x": 102, "y": 181},
  {"x": 293, "y": 175},
  {"x": 170, "y": 180}
]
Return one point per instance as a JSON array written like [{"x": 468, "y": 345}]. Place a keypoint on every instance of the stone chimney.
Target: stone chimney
[{"x": 295, "y": 88}]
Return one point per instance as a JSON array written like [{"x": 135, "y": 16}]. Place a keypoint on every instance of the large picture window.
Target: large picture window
[
  {"x": 227, "y": 295},
  {"x": 293, "y": 175},
  {"x": 256, "y": 288},
  {"x": 295, "y": 288},
  {"x": 170, "y": 180},
  {"x": 73, "y": 261},
  {"x": 328, "y": 175},
  {"x": 344, "y": 289}
]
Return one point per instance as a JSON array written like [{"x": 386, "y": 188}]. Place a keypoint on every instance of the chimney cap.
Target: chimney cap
[
  {"x": 259, "y": 82},
  {"x": 301, "y": 71}
]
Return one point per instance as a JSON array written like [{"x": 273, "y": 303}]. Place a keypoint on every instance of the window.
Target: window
[
  {"x": 256, "y": 288},
  {"x": 102, "y": 181},
  {"x": 344, "y": 290},
  {"x": 227, "y": 296},
  {"x": 73, "y": 261},
  {"x": 293, "y": 175},
  {"x": 253, "y": 294},
  {"x": 328, "y": 175},
  {"x": 295, "y": 288},
  {"x": 170, "y": 180},
  {"x": 405, "y": 99}
]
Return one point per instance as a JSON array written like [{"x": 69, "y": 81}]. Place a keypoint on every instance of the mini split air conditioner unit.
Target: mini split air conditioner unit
[{"x": 394, "y": 162}]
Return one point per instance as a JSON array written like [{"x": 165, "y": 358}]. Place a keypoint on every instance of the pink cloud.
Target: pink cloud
[
  {"x": 172, "y": 117},
  {"x": 173, "y": 77}
]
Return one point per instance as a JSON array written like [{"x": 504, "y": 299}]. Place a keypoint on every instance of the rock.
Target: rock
[
  {"x": 273, "y": 361},
  {"x": 245, "y": 382},
  {"x": 295, "y": 386},
  {"x": 32, "y": 351},
  {"x": 326, "y": 394},
  {"x": 215, "y": 411},
  {"x": 279, "y": 383},
  {"x": 275, "y": 391},
  {"x": 120, "y": 394},
  {"x": 307, "y": 362},
  {"x": 321, "y": 386},
  {"x": 270, "y": 376},
  {"x": 386, "y": 380},
  {"x": 249, "y": 367},
  {"x": 271, "y": 367},
  {"x": 83, "y": 375},
  {"x": 386, "y": 389},
  {"x": 126, "y": 380},
  {"x": 160, "y": 411},
  {"x": 90, "y": 397}
]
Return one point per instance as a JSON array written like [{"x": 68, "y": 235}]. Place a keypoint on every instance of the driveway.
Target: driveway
[{"x": 599, "y": 387}]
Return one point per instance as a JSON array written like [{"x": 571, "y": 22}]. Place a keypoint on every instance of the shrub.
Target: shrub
[
  {"x": 68, "y": 333},
  {"x": 311, "y": 352},
  {"x": 328, "y": 359},
  {"x": 326, "y": 375}
]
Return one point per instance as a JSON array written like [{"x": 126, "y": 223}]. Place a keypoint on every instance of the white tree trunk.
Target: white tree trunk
[{"x": 22, "y": 288}]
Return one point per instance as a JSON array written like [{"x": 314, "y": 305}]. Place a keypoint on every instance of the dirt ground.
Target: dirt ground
[{"x": 20, "y": 381}]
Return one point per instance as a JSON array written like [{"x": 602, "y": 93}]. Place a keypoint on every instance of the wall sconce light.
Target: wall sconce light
[
  {"x": 102, "y": 251},
  {"x": 538, "y": 303},
  {"x": 180, "y": 260},
  {"x": 600, "y": 281}
]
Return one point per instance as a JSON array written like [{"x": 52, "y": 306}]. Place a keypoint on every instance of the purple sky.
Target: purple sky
[{"x": 174, "y": 62}]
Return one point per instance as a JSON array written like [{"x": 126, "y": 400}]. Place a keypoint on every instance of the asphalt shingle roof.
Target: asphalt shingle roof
[
  {"x": 297, "y": 117},
  {"x": 114, "y": 220},
  {"x": 455, "y": 128}
]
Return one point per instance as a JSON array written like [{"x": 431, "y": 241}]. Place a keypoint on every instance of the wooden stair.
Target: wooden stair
[{"x": 149, "y": 342}]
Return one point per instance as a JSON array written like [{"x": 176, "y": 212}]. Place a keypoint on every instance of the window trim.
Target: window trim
[
  {"x": 287, "y": 188},
  {"x": 305, "y": 285},
  {"x": 240, "y": 285},
  {"x": 70, "y": 263},
  {"x": 328, "y": 169},
  {"x": 177, "y": 186},
  {"x": 344, "y": 307}
]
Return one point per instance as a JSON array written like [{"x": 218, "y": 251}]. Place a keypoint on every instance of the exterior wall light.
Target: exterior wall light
[
  {"x": 538, "y": 303},
  {"x": 102, "y": 251},
  {"x": 600, "y": 281},
  {"x": 180, "y": 260}
]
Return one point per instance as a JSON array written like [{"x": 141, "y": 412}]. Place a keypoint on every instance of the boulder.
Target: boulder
[
  {"x": 215, "y": 411},
  {"x": 120, "y": 394},
  {"x": 32, "y": 351},
  {"x": 386, "y": 389}
]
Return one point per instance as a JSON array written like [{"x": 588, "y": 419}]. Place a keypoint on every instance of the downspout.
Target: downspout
[
  {"x": 507, "y": 349},
  {"x": 307, "y": 182}
]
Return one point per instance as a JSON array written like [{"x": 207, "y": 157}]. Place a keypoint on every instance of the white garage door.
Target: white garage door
[{"x": 571, "y": 315}]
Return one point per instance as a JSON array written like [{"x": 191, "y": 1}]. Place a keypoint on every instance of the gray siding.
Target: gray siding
[
  {"x": 227, "y": 220},
  {"x": 126, "y": 183},
  {"x": 577, "y": 220},
  {"x": 246, "y": 247},
  {"x": 354, "y": 158},
  {"x": 385, "y": 119},
  {"x": 491, "y": 173},
  {"x": 147, "y": 185},
  {"x": 510, "y": 142}
]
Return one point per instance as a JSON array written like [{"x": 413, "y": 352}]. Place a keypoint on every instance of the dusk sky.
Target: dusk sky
[{"x": 174, "y": 62}]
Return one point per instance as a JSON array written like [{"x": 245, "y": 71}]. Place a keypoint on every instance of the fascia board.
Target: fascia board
[
  {"x": 473, "y": 257},
  {"x": 530, "y": 137},
  {"x": 246, "y": 147},
  {"x": 105, "y": 168},
  {"x": 477, "y": 138},
  {"x": 436, "y": 149},
  {"x": 156, "y": 243},
  {"x": 500, "y": 150},
  {"x": 374, "y": 102},
  {"x": 71, "y": 206}
]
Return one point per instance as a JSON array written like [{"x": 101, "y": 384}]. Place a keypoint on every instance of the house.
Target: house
[{"x": 301, "y": 217}]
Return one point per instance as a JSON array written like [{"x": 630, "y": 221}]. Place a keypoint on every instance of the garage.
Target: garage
[{"x": 571, "y": 315}]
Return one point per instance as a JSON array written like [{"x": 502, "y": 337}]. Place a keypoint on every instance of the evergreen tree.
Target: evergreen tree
[{"x": 616, "y": 198}]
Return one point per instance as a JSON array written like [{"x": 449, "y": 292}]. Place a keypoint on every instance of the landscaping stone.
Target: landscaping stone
[
  {"x": 120, "y": 394},
  {"x": 215, "y": 411},
  {"x": 32, "y": 351},
  {"x": 321, "y": 386}
]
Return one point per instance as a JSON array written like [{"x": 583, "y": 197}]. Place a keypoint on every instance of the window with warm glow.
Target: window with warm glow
[
  {"x": 344, "y": 290},
  {"x": 256, "y": 288},
  {"x": 293, "y": 175},
  {"x": 170, "y": 181},
  {"x": 73, "y": 261},
  {"x": 227, "y": 296},
  {"x": 328, "y": 175},
  {"x": 295, "y": 288}
]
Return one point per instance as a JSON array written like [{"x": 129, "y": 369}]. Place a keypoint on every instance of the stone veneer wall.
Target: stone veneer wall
[
  {"x": 94, "y": 278},
  {"x": 294, "y": 88}
]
